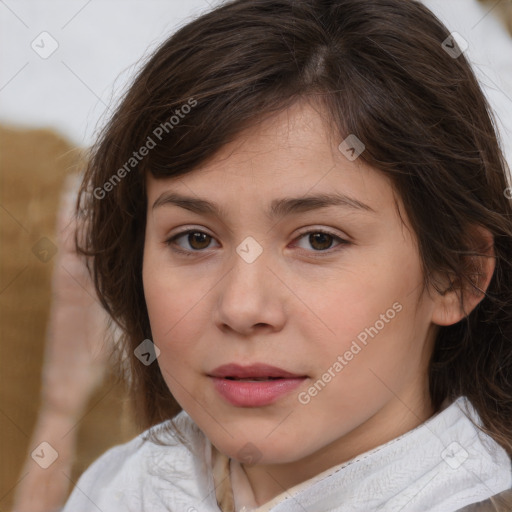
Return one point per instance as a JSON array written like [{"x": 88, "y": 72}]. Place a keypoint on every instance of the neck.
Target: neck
[{"x": 391, "y": 421}]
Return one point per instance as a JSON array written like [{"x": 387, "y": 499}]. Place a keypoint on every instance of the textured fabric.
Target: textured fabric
[
  {"x": 501, "y": 502},
  {"x": 443, "y": 465}
]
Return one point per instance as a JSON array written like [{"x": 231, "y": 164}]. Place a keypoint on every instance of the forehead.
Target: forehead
[{"x": 291, "y": 153}]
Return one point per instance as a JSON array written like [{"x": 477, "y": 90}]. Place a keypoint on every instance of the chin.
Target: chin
[{"x": 264, "y": 452}]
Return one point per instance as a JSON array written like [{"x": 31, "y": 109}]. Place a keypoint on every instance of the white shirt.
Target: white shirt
[{"x": 442, "y": 465}]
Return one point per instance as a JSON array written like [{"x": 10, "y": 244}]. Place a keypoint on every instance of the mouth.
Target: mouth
[
  {"x": 255, "y": 372},
  {"x": 254, "y": 379},
  {"x": 256, "y": 385}
]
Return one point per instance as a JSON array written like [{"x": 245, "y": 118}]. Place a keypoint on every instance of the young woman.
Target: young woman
[{"x": 300, "y": 218}]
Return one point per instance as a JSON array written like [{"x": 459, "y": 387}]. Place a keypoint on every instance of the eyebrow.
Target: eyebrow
[{"x": 278, "y": 207}]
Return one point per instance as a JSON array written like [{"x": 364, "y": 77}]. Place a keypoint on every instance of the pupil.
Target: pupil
[
  {"x": 195, "y": 236},
  {"x": 314, "y": 237}
]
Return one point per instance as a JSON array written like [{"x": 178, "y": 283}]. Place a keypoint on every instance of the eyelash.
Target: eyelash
[{"x": 170, "y": 242}]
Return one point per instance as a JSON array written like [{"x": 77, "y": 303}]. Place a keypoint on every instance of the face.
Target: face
[{"x": 316, "y": 307}]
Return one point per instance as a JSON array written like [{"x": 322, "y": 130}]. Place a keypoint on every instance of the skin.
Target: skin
[{"x": 289, "y": 308}]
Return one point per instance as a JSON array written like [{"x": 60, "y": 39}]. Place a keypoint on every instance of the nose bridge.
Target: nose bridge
[
  {"x": 249, "y": 266},
  {"x": 249, "y": 250},
  {"x": 248, "y": 295}
]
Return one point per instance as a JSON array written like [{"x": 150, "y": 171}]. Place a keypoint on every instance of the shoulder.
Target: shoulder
[{"x": 157, "y": 466}]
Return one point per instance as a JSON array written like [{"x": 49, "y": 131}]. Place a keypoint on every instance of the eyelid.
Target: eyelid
[
  {"x": 319, "y": 254},
  {"x": 169, "y": 241},
  {"x": 327, "y": 231}
]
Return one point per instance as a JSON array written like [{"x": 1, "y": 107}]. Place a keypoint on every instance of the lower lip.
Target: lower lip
[{"x": 255, "y": 394}]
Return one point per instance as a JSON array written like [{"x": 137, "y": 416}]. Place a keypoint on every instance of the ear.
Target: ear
[{"x": 459, "y": 299}]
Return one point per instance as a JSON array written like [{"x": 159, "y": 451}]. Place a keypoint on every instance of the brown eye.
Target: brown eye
[
  {"x": 201, "y": 239},
  {"x": 320, "y": 241},
  {"x": 196, "y": 240}
]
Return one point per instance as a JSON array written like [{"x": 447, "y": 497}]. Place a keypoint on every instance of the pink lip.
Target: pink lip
[
  {"x": 256, "y": 393},
  {"x": 252, "y": 371}
]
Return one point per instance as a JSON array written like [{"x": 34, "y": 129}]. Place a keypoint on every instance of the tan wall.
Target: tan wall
[
  {"x": 502, "y": 9},
  {"x": 33, "y": 166}
]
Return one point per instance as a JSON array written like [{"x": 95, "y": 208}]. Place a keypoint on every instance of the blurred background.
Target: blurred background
[{"x": 65, "y": 64}]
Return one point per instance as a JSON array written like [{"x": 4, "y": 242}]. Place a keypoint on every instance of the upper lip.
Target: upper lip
[{"x": 254, "y": 370}]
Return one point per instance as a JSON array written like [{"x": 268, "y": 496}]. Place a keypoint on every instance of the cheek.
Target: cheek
[
  {"x": 174, "y": 297},
  {"x": 174, "y": 313},
  {"x": 367, "y": 314},
  {"x": 358, "y": 299},
  {"x": 179, "y": 316},
  {"x": 169, "y": 302},
  {"x": 174, "y": 319}
]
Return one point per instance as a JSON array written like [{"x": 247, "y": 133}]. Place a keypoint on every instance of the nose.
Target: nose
[{"x": 251, "y": 296}]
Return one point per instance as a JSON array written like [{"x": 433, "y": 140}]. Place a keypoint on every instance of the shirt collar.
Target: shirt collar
[{"x": 441, "y": 457}]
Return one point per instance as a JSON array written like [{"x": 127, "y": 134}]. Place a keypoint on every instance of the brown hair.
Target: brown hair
[{"x": 384, "y": 70}]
